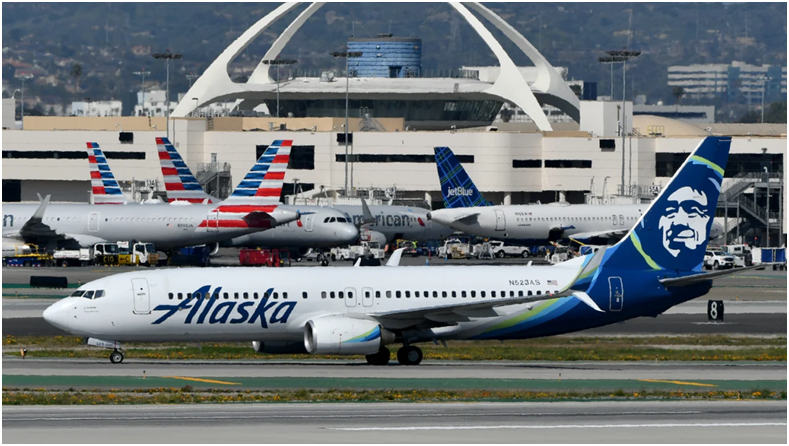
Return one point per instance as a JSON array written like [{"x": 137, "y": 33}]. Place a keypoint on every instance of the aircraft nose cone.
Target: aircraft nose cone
[
  {"x": 349, "y": 233},
  {"x": 57, "y": 314}
]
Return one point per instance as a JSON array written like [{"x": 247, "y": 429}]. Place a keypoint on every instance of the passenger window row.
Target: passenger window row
[{"x": 226, "y": 296}]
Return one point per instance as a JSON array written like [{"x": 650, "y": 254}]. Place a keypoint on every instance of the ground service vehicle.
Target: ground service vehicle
[
  {"x": 264, "y": 257},
  {"x": 190, "y": 256},
  {"x": 501, "y": 250},
  {"x": 718, "y": 260},
  {"x": 125, "y": 253},
  {"x": 26, "y": 255}
]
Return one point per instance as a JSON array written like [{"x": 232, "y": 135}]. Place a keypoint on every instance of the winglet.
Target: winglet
[
  {"x": 367, "y": 216},
  {"x": 358, "y": 262},
  {"x": 585, "y": 298},
  {"x": 42, "y": 208},
  {"x": 395, "y": 259}
]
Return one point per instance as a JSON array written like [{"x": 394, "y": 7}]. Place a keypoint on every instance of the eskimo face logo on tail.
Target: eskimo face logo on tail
[
  {"x": 216, "y": 311},
  {"x": 684, "y": 225}
]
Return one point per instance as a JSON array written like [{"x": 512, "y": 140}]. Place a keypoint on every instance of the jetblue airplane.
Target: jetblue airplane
[
  {"x": 466, "y": 210},
  {"x": 83, "y": 225},
  {"x": 391, "y": 222},
  {"x": 359, "y": 311}
]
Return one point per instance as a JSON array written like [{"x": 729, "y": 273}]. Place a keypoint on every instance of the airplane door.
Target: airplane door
[
  {"x": 142, "y": 299},
  {"x": 617, "y": 297},
  {"x": 213, "y": 221},
  {"x": 367, "y": 297},
  {"x": 351, "y": 297},
  {"x": 93, "y": 221},
  {"x": 308, "y": 221},
  {"x": 501, "y": 224}
]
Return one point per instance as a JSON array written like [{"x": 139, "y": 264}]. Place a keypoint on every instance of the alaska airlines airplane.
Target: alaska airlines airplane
[
  {"x": 466, "y": 210},
  {"x": 391, "y": 222},
  {"x": 359, "y": 311},
  {"x": 83, "y": 225}
]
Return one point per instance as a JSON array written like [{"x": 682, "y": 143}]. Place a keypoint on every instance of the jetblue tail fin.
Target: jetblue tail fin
[
  {"x": 105, "y": 188},
  {"x": 263, "y": 184},
  {"x": 179, "y": 182},
  {"x": 456, "y": 186},
  {"x": 673, "y": 233}
]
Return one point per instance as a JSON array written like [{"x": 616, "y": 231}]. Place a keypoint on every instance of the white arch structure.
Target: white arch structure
[{"x": 215, "y": 84}]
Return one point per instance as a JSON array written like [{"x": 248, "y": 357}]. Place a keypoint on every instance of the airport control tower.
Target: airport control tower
[{"x": 386, "y": 56}]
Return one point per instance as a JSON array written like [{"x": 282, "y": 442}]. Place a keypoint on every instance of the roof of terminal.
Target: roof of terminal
[{"x": 379, "y": 85}]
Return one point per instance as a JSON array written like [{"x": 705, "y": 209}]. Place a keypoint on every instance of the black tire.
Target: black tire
[
  {"x": 409, "y": 355},
  {"x": 716, "y": 266},
  {"x": 501, "y": 254},
  {"x": 525, "y": 254},
  {"x": 325, "y": 262},
  {"x": 380, "y": 358},
  {"x": 116, "y": 357}
]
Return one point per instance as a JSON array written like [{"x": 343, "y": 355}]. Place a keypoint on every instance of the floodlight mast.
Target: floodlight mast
[{"x": 347, "y": 55}]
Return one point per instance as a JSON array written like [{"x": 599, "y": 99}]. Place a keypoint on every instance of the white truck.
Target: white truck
[
  {"x": 366, "y": 248},
  {"x": 455, "y": 249},
  {"x": 73, "y": 257},
  {"x": 718, "y": 260},
  {"x": 501, "y": 250}
]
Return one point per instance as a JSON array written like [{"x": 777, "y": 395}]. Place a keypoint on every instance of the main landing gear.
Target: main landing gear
[
  {"x": 409, "y": 355},
  {"x": 380, "y": 358},
  {"x": 116, "y": 357}
]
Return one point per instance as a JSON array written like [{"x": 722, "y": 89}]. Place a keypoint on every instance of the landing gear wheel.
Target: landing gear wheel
[
  {"x": 380, "y": 358},
  {"x": 116, "y": 357},
  {"x": 409, "y": 355}
]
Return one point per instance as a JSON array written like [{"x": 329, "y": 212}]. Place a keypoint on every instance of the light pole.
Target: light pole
[
  {"x": 167, "y": 56},
  {"x": 191, "y": 77},
  {"x": 88, "y": 99},
  {"x": 278, "y": 62},
  {"x": 765, "y": 79},
  {"x": 23, "y": 77},
  {"x": 142, "y": 73},
  {"x": 617, "y": 56},
  {"x": 347, "y": 55}
]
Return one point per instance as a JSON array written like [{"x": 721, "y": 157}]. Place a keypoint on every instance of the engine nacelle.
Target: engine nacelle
[
  {"x": 345, "y": 336},
  {"x": 279, "y": 347}
]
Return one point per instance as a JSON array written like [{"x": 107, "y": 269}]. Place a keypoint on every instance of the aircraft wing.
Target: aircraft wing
[
  {"x": 463, "y": 311},
  {"x": 612, "y": 233},
  {"x": 696, "y": 278},
  {"x": 36, "y": 231}
]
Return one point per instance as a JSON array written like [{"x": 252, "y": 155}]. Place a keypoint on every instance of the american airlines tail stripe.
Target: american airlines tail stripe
[{"x": 244, "y": 208}]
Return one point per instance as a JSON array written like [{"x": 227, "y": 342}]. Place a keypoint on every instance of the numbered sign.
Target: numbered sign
[{"x": 715, "y": 310}]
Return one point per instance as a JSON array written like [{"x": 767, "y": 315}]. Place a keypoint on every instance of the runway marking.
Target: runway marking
[
  {"x": 201, "y": 380},
  {"x": 685, "y": 383},
  {"x": 558, "y": 426}
]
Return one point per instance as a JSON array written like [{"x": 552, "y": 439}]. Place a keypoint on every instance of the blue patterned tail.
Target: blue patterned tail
[
  {"x": 673, "y": 233},
  {"x": 456, "y": 186}
]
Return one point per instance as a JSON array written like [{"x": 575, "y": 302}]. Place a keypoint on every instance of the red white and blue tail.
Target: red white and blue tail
[
  {"x": 263, "y": 184},
  {"x": 105, "y": 188},
  {"x": 179, "y": 182}
]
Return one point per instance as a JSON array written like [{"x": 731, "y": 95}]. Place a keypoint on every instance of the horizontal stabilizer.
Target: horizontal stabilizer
[{"x": 701, "y": 277}]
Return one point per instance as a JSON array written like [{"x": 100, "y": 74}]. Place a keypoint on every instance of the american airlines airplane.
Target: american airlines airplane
[
  {"x": 391, "y": 222},
  {"x": 360, "y": 311},
  {"x": 466, "y": 210},
  {"x": 83, "y": 225}
]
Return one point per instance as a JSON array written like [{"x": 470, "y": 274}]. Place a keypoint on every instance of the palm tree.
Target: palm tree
[
  {"x": 76, "y": 72},
  {"x": 678, "y": 92}
]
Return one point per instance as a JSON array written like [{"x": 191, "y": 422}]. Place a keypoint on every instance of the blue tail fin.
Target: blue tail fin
[
  {"x": 672, "y": 234},
  {"x": 456, "y": 186}
]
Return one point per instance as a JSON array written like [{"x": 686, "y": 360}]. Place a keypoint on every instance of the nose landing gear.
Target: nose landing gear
[{"x": 116, "y": 357}]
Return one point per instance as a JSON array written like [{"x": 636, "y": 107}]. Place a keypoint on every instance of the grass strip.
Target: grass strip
[
  {"x": 466, "y": 353},
  {"x": 187, "y": 395}
]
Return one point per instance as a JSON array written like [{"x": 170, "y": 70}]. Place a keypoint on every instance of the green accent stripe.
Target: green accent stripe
[
  {"x": 361, "y": 336},
  {"x": 524, "y": 316},
  {"x": 637, "y": 244},
  {"x": 712, "y": 165}
]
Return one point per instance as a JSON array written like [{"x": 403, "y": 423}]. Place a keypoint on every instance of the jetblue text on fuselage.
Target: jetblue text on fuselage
[{"x": 208, "y": 308}]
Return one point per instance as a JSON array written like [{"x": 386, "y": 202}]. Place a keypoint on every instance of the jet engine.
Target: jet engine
[
  {"x": 345, "y": 336},
  {"x": 279, "y": 347}
]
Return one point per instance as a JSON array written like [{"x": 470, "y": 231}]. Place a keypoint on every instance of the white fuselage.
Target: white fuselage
[
  {"x": 134, "y": 302},
  {"x": 399, "y": 222},
  {"x": 537, "y": 222}
]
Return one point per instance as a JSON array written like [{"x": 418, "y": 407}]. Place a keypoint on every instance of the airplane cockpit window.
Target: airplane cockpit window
[
  {"x": 332, "y": 220},
  {"x": 99, "y": 293},
  {"x": 326, "y": 220},
  {"x": 341, "y": 220},
  {"x": 88, "y": 295},
  {"x": 77, "y": 293}
]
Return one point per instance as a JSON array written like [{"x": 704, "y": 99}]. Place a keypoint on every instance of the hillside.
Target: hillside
[{"x": 111, "y": 40}]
